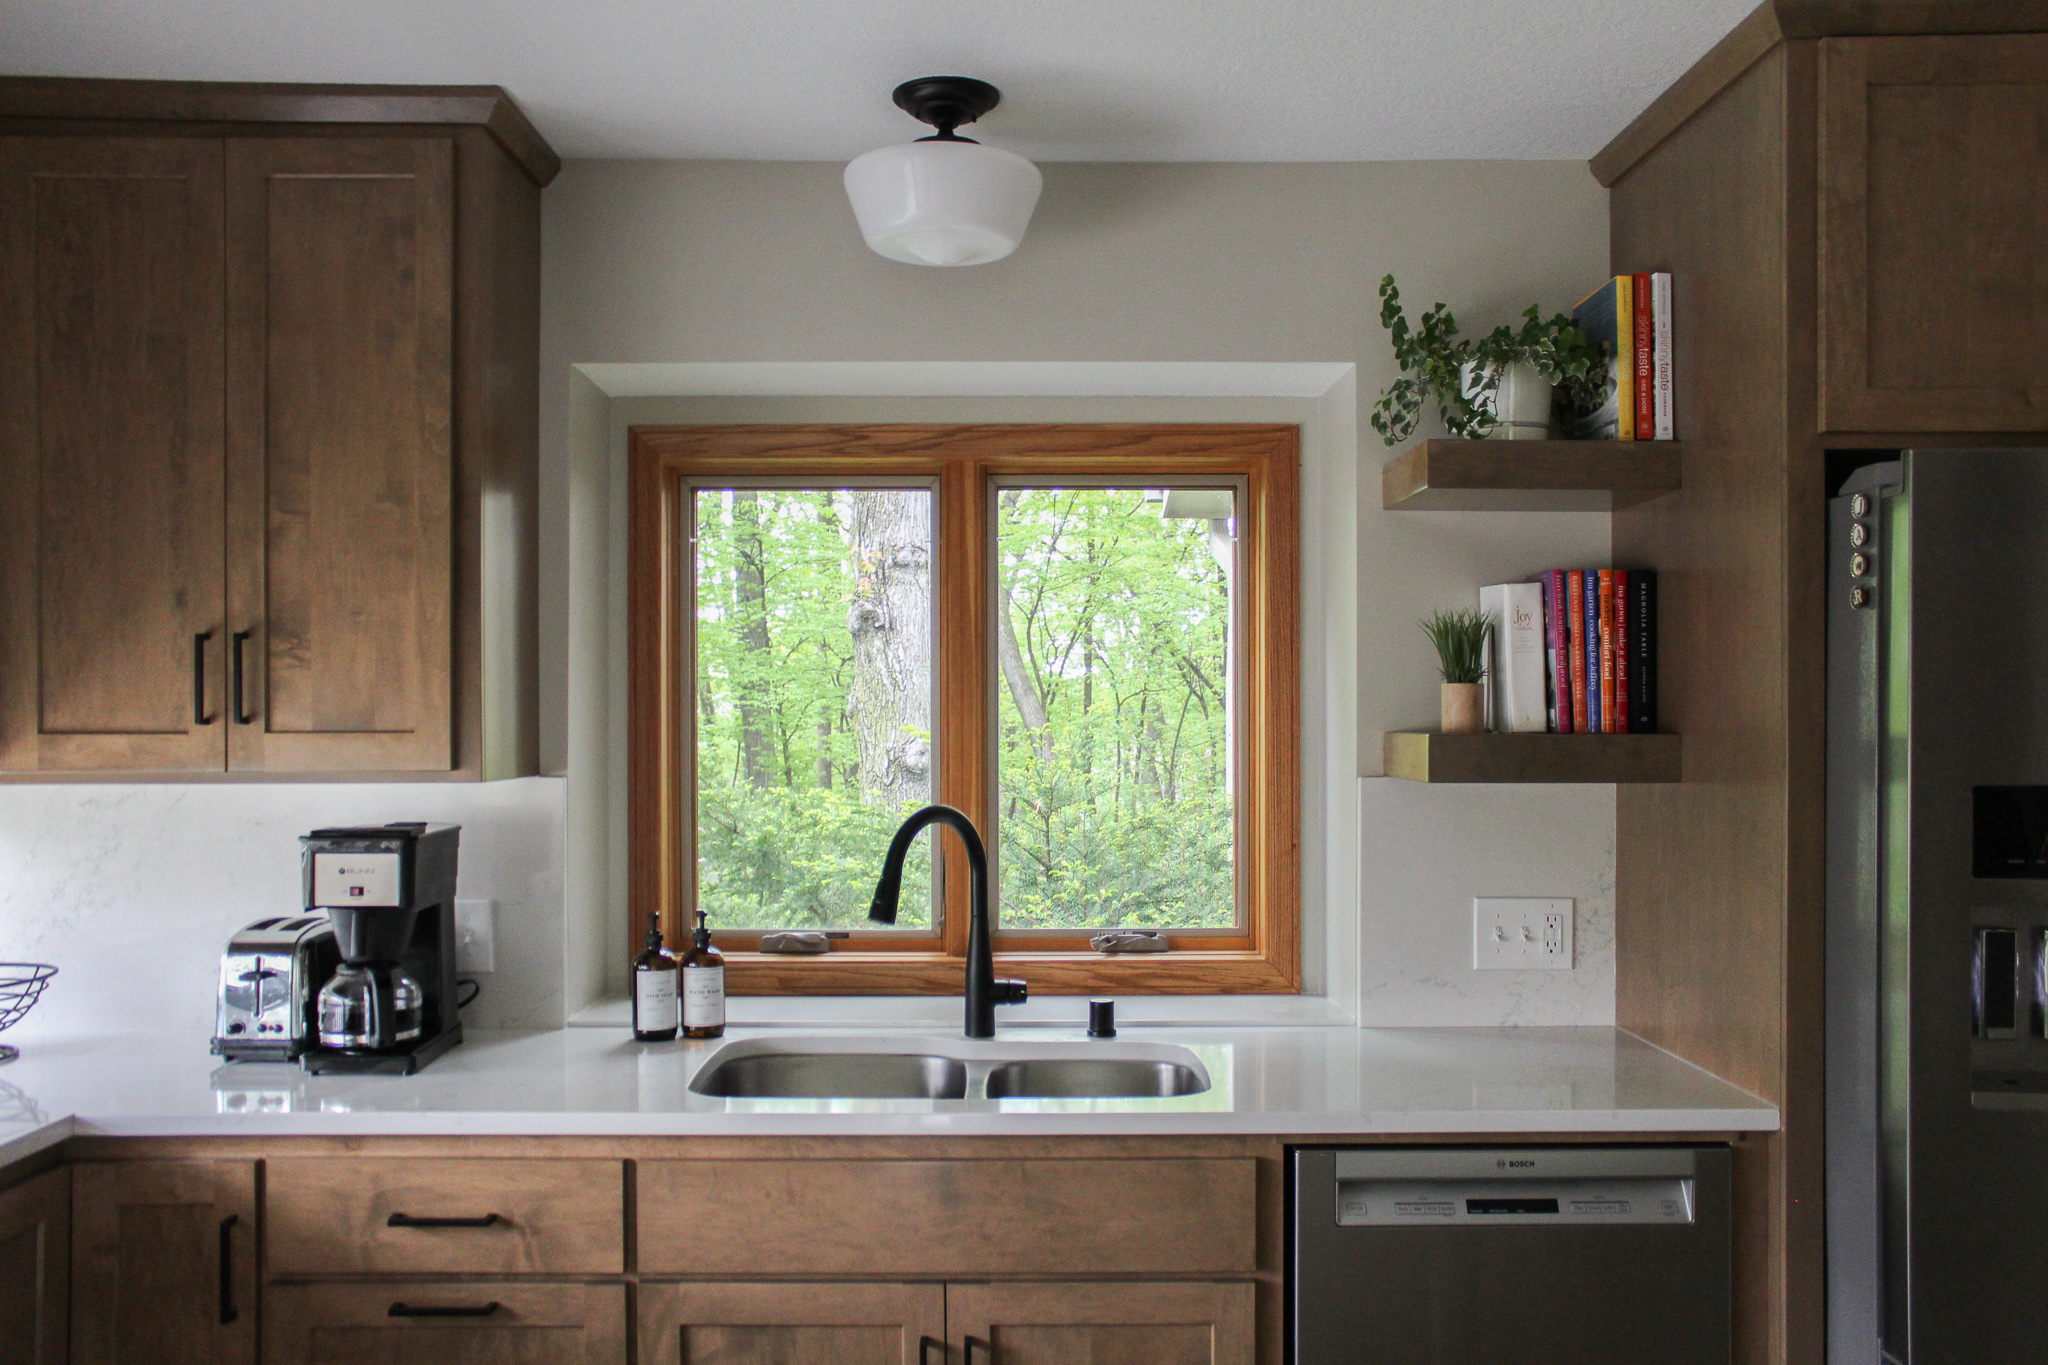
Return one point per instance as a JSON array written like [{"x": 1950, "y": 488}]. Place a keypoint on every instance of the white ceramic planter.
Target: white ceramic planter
[{"x": 1520, "y": 403}]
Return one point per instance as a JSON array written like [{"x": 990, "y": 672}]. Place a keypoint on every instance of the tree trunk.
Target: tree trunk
[
  {"x": 750, "y": 607},
  {"x": 1016, "y": 673},
  {"x": 890, "y": 619}
]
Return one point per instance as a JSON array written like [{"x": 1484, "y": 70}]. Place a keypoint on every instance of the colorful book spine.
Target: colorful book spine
[
  {"x": 1605, "y": 581},
  {"x": 1660, "y": 364},
  {"x": 1623, "y": 674},
  {"x": 1555, "y": 625},
  {"x": 1644, "y": 333},
  {"x": 1642, "y": 591},
  {"x": 1589, "y": 635},
  {"x": 1575, "y": 642},
  {"x": 1625, "y": 372}
]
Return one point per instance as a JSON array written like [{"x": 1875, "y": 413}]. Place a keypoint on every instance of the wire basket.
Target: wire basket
[{"x": 21, "y": 985}]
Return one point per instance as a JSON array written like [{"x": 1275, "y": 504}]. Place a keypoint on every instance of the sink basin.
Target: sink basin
[
  {"x": 852, "y": 1067},
  {"x": 1092, "y": 1078},
  {"x": 835, "y": 1075}
]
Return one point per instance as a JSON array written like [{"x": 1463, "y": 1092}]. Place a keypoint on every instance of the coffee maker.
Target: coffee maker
[{"x": 389, "y": 891}]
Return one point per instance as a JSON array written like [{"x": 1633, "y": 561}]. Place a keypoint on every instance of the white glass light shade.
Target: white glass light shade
[{"x": 943, "y": 203}]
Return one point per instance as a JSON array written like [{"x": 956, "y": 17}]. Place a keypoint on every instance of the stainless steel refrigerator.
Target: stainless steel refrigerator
[{"x": 1937, "y": 1064}]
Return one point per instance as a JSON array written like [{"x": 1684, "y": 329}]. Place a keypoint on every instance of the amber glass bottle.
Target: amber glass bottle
[
  {"x": 703, "y": 986},
  {"x": 656, "y": 1006}
]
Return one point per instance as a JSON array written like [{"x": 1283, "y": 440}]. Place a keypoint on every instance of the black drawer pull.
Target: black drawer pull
[
  {"x": 199, "y": 715},
  {"x": 228, "y": 1311},
  {"x": 406, "y": 1220},
  {"x": 406, "y": 1310},
  {"x": 969, "y": 1352},
  {"x": 240, "y": 638},
  {"x": 924, "y": 1350}
]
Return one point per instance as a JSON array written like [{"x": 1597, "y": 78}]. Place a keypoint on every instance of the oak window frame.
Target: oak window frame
[{"x": 1262, "y": 955}]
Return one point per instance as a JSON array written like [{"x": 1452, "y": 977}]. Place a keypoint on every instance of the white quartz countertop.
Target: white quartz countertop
[{"x": 598, "y": 1081}]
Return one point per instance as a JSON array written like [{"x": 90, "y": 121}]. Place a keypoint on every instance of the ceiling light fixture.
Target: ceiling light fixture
[{"x": 944, "y": 199}]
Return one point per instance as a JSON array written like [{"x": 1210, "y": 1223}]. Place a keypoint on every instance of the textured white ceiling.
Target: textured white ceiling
[{"x": 1082, "y": 80}]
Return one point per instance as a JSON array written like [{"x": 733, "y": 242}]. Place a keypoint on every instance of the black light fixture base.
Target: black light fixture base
[{"x": 946, "y": 102}]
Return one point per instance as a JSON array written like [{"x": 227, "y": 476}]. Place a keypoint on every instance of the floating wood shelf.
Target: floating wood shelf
[
  {"x": 1428, "y": 757},
  {"x": 1528, "y": 476}
]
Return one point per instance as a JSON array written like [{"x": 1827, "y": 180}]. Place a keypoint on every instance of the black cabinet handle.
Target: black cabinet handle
[
  {"x": 406, "y": 1220},
  {"x": 971, "y": 1344},
  {"x": 228, "y": 1312},
  {"x": 406, "y": 1310},
  {"x": 924, "y": 1350},
  {"x": 240, "y": 638},
  {"x": 199, "y": 716}
]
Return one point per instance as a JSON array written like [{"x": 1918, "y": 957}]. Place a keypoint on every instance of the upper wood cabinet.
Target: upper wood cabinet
[
  {"x": 1933, "y": 223},
  {"x": 268, "y": 386},
  {"x": 110, "y": 450},
  {"x": 340, "y": 289}
]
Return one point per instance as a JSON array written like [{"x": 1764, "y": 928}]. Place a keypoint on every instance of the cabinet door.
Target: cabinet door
[
  {"x": 446, "y": 1322},
  {"x": 1125, "y": 1323},
  {"x": 110, "y": 454},
  {"x": 792, "y": 1324},
  {"x": 35, "y": 1271},
  {"x": 1934, "y": 209},
  {"x": 340, "y": 464},
  {"x": 163, "y": 1263}
]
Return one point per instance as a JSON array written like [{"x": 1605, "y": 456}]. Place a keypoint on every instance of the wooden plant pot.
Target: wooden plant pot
[{"x": 1464, "y": 710}]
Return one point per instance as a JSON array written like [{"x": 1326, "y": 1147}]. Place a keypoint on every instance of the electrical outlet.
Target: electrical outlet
[
  {"x": 476, "y": 936},
  {"x": 1521, "y": 934}
]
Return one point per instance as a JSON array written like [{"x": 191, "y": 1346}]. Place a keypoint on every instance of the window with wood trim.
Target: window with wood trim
[{"x": 1086, "y": 637}]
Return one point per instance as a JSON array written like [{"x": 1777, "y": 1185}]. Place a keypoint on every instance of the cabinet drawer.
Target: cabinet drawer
[
  {"x": 513, "y": 1217},
  {"x": 948, "y": 1218},
  {"x": 510, "y": 1324}
]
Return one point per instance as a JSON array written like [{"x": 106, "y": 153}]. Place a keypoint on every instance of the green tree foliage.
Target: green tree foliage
[
  {"x": 1113, "y": 737},
  {"x": 1116, "y": 809}
]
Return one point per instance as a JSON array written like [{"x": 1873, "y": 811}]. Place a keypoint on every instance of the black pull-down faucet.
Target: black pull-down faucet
[{"x": 984, "y": 992}]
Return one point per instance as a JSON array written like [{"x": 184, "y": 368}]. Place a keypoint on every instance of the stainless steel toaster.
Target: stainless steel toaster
[{"x": 269, "y": 976}]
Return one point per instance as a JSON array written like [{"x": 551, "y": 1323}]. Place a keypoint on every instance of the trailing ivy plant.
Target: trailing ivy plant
[{"x": 1433, "y": 357}]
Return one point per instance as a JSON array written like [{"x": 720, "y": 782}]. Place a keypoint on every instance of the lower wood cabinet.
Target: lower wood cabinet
[
  {"x": 446, "y": 1323},
  {"x": 1101, "y": 1323},
  {"x": 1129, "y": 1322},
  {"x": 792, "y": 1324},
  {"x": 163, "y": 1263},
  {"x": 416, "y": 1215},
  {"x": 475, "y": 1251},
  {"x": 35, "y": 1271}
]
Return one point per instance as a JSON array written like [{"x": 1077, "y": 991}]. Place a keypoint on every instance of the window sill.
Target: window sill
[{"x": 943, "y": 1012}]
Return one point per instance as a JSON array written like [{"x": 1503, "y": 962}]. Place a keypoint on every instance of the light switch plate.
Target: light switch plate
[
  {"x": 1521, "y": 933},
  {"x": 476, "y": 936}
]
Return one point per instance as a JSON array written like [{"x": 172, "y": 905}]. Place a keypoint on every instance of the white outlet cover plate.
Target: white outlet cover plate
[
  {"x": 1521, "y": 933},
  {"x": 476, "y": 935}
]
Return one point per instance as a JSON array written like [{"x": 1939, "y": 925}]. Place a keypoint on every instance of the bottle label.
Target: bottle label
[
  {"x": 703, "y": 997},
  {"x": 654, "y": 1002}
]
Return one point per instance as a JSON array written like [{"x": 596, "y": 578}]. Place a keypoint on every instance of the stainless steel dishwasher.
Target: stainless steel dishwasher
[{"x": 1509, "y": 1256}]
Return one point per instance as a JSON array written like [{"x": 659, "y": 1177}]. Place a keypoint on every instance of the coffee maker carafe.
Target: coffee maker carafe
[{"x": 389, "y": 891}]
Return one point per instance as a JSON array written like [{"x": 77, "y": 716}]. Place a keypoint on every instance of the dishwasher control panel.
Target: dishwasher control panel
[{"x": 1474, "y": 1203}]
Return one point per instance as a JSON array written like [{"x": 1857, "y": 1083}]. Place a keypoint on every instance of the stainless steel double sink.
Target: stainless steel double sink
[{"x": 921, "y": 1068}]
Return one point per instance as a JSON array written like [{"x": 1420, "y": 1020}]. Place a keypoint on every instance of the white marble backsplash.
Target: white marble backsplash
[
  {"x": 1428, "y": 849},
  {"x": 132, "y": 890}
]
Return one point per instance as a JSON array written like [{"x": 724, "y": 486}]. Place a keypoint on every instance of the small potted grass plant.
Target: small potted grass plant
[{"x": 1460, "y": 640}]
